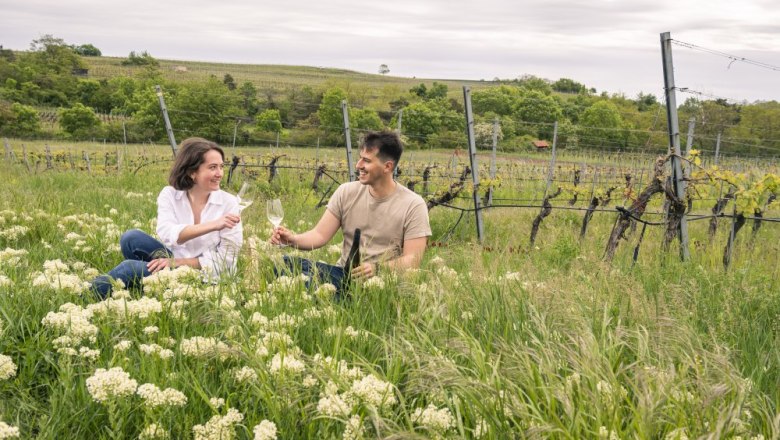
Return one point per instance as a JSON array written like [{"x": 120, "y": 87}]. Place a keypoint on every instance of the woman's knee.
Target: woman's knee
[{"x": 130, "y": 236}]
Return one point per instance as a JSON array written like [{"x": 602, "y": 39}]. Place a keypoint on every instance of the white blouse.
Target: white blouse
[{"x": 216, "y": 251}]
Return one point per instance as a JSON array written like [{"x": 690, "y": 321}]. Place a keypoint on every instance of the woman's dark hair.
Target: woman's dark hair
[{"x": 188, "y": 160}]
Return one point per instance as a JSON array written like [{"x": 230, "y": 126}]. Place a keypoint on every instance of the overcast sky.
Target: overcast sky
[{"x": 613, "y": 46}]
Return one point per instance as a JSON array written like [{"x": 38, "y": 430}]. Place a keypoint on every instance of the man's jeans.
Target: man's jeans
[
  {"x": 138, "y": 248},
  {"x": 326, "y": 273}
]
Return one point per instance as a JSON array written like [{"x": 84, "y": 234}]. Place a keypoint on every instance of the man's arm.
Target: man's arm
[
  {"x": 315, "y": 238},
  {"x": 410, "y": 259}
]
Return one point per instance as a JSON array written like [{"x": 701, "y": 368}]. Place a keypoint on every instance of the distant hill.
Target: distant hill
[{"x": 271, "y": 76}]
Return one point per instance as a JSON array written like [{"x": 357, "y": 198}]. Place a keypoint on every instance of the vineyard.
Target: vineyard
[
  {"x": 543, "y": 340},
  {"x": 592, "y": 273}
]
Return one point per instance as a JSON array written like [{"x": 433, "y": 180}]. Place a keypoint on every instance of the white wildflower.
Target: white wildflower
[
  {"x": 374, "y": 391},
  {"x": 110, "y": 384},
  {"x": 7, "y": 367},
  {"x": 374, "y": 282},
  {"x": 155, "y": 397},
  {"x": 245, "y": 375},
  {"x": 151, "y": 330},
  {"x": 154, "y": 432},
  {"x": 265, "y": 430},
  {"x": 354, "y": 429},
  {"x": 280, "y": 363},
  {"x": 434, "y": 419},
  {"x": 219, "y": 427},
  {"x": 334, "y": 405},
  {"x": 8, "y": 431},
  {"x": 217, "y": 402},
  {"x": 123, "y": 346}
]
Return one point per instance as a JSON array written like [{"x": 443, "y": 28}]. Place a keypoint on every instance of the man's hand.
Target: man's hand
[
  {"x": 159, "y": 264},
  {"x": 282, "y": 236},
  {"x": 228, "y": 221},
  {"x": 364, "y": 271}
]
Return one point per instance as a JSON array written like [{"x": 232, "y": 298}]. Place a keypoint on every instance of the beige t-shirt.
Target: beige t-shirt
[{"x": 384, "y": 223}]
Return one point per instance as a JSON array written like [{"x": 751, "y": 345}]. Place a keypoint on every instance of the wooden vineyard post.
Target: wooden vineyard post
[
  {"x": 546, "y": 206},
  {"x": 86, "y": 159}
]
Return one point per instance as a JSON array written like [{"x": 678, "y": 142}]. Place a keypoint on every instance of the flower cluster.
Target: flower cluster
[
  {"x": 265, "y": 430},
  {"x": 375, "y": 283},
  {"x": 124, "y": 309},
  {"x": 155, "y": 397},
  {"x": 115, "y": 383},
  {"x": 73, "y": 321},
  {"x": 434, "y": 419},
  {"x": 11, "y": 257},
  {"x": 219, "y": 427},
  {"x": 7, "y": 367},
  {"x": 203, "y": 347},
  {"x": 8, "y": 431},
  {"x": 56, "y": 275},
  {"x": 285, "y": 363},
  {"x": 156, "y": 350},
  {"x": 245, "y": 375},
  {"x": 12, "y": 233},
  {"x": 154, "y": 432}
]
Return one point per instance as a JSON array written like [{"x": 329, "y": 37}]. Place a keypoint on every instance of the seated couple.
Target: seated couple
[{"x": 199, "y": 224}]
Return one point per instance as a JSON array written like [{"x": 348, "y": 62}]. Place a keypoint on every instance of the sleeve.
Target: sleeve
[
  {"x": 223, "y": 257},
  {"x": 168, "y": 226},
  {"x": 335, "y": 203},
  {"x": 417, "y": 224}
]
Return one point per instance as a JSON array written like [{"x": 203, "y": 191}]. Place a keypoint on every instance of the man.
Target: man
[{"x": 393, "y": 219}]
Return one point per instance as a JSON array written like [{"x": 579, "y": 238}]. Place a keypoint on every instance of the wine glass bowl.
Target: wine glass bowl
[
  {"x": 274, "y": 212},
  {"x": 244, "y": 199}
]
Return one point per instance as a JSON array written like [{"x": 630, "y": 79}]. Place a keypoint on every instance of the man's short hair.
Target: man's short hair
[{"x": 388, "y": 142}]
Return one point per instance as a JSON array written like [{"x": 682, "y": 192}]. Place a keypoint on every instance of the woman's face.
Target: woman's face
[{"x": 209, "y": 173}]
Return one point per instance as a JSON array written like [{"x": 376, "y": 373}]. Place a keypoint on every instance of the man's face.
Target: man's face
[{"x": 371, "y": 168}]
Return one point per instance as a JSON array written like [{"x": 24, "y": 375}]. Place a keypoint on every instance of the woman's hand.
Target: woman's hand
[
  {"x": 228, "y": 221},
  {"x": 159, "y": 264},
  {"x": 282, "y": 236}
]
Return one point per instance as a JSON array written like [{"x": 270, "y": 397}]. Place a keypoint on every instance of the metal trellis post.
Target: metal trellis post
[
  {"x": 348, "y": 140},
  {"x": 674, "y": 137},
  {"x": 168, "y": 127},
  {"x": 473, "y": 157},
  {"x": 493, "y": 163}
]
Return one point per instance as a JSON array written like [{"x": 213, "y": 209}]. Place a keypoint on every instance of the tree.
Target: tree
[
  {"x": 87, "y": 50},
  {"x": 79, "y": 121},
  {"x": 500, "y": 100},
  {"x": 566, "y": 85},
  {"x": 539, "y": 111},
  {"x": 602, "y": 125},
  {"x": 269, "y": 121},
  {"x": 229, "y": 81},
  {"x": 19, "y": 120},
  {"x": 331, "y": 117},
  {"x": 365, "y": 119},
  {"x": 142, "y": 59},
  {"x": 383, "y": 69}
]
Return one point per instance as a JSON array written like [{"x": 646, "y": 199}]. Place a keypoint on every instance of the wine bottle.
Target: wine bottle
[{"x": 353, "y": 259}]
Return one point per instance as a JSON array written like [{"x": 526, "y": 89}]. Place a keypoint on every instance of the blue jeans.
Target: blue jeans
[
  {"x": 138, "y": 248},
  {"x": 326, "y": 273}
]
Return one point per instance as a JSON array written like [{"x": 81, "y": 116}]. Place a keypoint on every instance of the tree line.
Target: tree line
[{"x": 52, "y": 75}]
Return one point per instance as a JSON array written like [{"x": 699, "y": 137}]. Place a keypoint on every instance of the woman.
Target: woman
[{"x": 198, "y": 224}]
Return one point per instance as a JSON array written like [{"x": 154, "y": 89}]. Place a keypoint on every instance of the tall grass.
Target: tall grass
[{"x": 548, "y": 342}]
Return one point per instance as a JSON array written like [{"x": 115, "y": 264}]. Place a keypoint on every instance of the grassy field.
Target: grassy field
[
  {"x": 496, "y": 341},
  {"x": 277, "y": 77}
]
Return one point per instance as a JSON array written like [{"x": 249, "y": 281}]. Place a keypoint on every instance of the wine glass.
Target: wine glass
[
  {"x": 244, "y": 200},
  {"x": 274, "y": 212}
]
